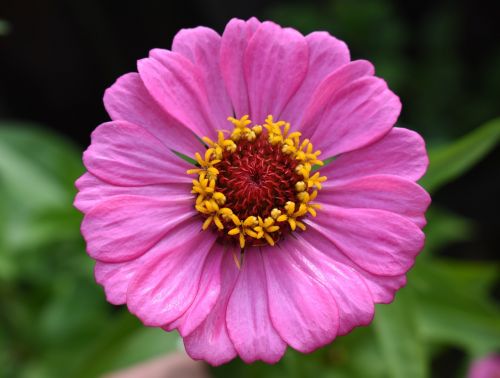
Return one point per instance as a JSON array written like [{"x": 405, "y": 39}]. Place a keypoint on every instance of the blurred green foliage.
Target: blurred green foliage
[
  {"x": 4, "y": 27},
  {"x": 55, "y": 322}
]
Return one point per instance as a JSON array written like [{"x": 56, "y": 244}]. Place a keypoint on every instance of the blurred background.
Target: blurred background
[{"x": 56, "y": 59}]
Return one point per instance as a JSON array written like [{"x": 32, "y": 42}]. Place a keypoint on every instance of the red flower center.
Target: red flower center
[
  {"x": 257, "y": 184},
  {"x": 256, "y": 178}
]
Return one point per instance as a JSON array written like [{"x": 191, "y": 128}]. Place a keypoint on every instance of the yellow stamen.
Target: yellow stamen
[
  {"x": 315, "y": 181},
  {"x": 265, "y": 228},
  {"x": 292, "y": 215},
  {"x": 257, "y": 129},
  {"x": 300, "y": 186},
  {"x": 306, "y": 198},
  {"x": 219, "y": 198},
  {"x": 275, "y": 213},
  {"x": 241, "y": 130},
  {"x": 203, "y": 185},
  {"x": 214, "y": 212},
  {"x": 220, "y": 146},
  {"x": 206, "y": 164}
]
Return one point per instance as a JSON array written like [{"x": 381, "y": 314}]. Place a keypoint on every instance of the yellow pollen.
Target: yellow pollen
[
  {"x": 265, "y": 229},
  {"x": 219, "y": 198},
  {"x": 275, "y": 213},
  {"x": 257, "y": 129},
  {"x": 300, "y": 186},
  {"x": 206, "y": 164},
  {"x": 241, "y": 130},
  {"x": 220, "y": 146},
  {"x": 256, "y": 229},
  {"x": 214, "y": 212},
  {"x": 203, "y": 187}
]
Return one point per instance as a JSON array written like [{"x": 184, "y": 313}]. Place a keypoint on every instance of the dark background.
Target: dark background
[{"x": 441, "y": 57}]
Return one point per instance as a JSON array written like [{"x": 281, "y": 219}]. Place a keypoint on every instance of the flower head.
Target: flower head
[
  {"x": 486, "y": 367},
  {"x": 259, "y": 244}
]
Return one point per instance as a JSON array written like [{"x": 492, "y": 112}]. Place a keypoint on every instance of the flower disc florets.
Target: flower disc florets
[{"x": 258, "y": 184}]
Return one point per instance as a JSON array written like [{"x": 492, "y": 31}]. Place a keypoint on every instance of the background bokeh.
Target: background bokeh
[{"x": 56, "y": 59}]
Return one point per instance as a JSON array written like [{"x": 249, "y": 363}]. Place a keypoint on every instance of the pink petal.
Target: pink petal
[
  {"x": 326, "y": 54},
  {"x": 317, "y": 105},
  {"x": 210, "y": 341},
  {"x": 124, "y": 154},
  {"x": 401, "y": 153},
  {"x": 92, "y": 191},
  {"x": 349, "y": 110},
  {"x": 207, "y": 295},
  {"x": 485, "y": 367},
  {"x": 379, "y": 241},
  {"x": 302, "y": 310},
  {"x": 178, "y": 86},
  {"x": 124, "y": 227},
  {"x": 233, "y": 46},
  {"x": 167, "y": 284},
  {"x": 202, "y": 47},
  {"x": 275, "y": 64},
  {"x": 128, "y": 100},
  {"x": 382, "y": 288},
  {"x": 115, "y": 277},
  {"x": 248, "y": 322},
  {"x": 354, "y": 301},
  {"x": 383, "y": 192}
]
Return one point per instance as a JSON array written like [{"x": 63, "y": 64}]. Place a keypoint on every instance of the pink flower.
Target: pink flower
[
  {"x": 260, "y": 250},
  {"x": 487, "y": 367}
]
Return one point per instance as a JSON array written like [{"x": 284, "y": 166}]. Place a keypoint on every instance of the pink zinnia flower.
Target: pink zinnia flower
[
  {"x": 487, "y": 367},
  {"x": 261, "y": 250}
]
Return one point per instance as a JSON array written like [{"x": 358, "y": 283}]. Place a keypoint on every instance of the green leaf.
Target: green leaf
[
  {"x": 473, "y": 277},
  {"x": 450, "y": 161},
  {"x": 37, "y": 174},
  {"x": 357, "y": 354},
  {"x": 454, "y": 304},
  {"x": 142, "y": 345},
  {"x": 400, "y": 341},
  {"x": 445, "y": 227},
  {"x": 124, "y": 343},
  {"x": 185, "y": 157},
  {"x": 325, "y": 163},
  {"x": 56, "y": 157}
]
